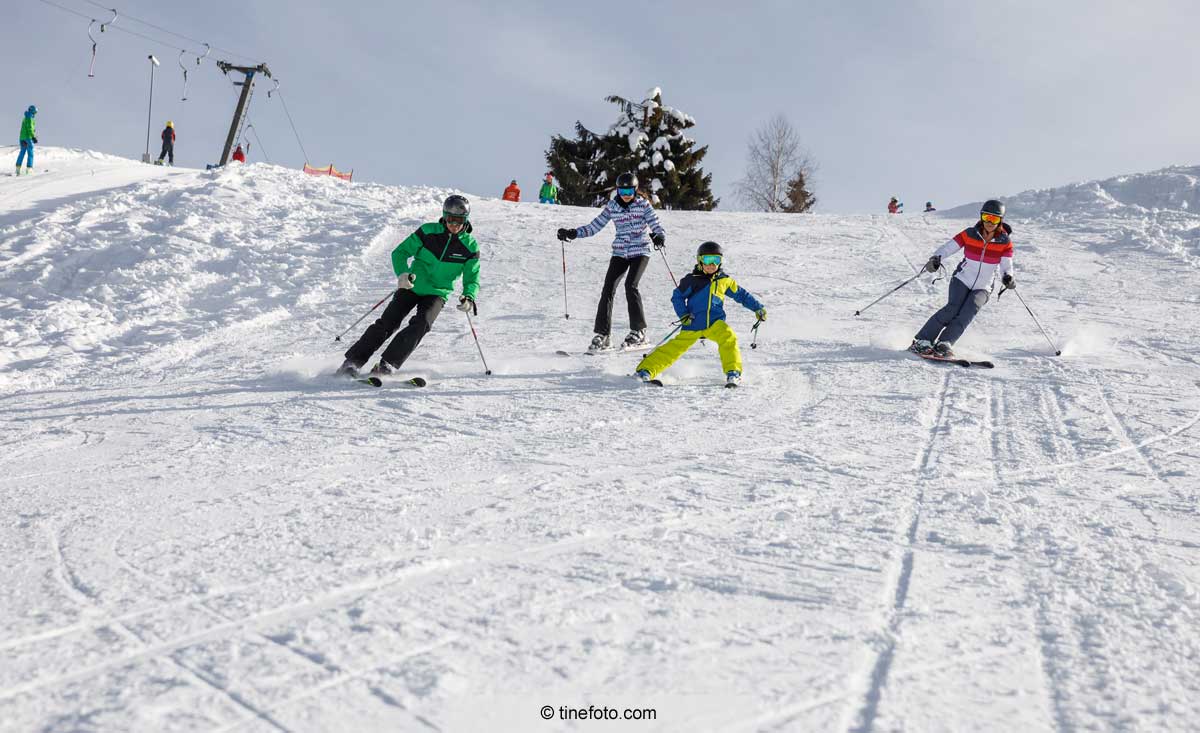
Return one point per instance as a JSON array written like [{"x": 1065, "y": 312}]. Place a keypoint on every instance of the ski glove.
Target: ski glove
[
  {"x": 566, "y": 234},
  {"x": 403, "y": 282},
  {"x": 467, "y": 305},
  {"x": 1009, "y": 282},
  {"x": 34, "y": 140},
  {"x": 933, "y": 264},
  {"x": 659, "y": 240},
  {"x": 761, "y": 314}
]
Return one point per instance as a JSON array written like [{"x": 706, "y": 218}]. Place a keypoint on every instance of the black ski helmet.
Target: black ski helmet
[
  {"x": 456, "y": 205},
  {"x": 709, "y": 248},
  {"x": 627, "y": 180},
  {"x": 992, "y": 206}
]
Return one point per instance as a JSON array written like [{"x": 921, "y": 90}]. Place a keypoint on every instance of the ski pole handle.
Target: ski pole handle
[{"x": 364, "y": 315}]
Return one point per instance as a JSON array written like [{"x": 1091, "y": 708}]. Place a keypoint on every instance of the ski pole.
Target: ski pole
[
  {"x": 364, "y": 315},
  {"x": 1057, "y": 351},
  {"x": 668, "y": 264},
  {"x": 566, "y": 312},
  {"x": 873, "y": 302},
  {"x": 669, "y": 335},
  {"x": 754, "y": 330},
  {"x": 481, "y": 358}
]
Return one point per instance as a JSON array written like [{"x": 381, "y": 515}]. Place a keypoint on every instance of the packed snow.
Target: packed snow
[{"x": 206, "y": 531}]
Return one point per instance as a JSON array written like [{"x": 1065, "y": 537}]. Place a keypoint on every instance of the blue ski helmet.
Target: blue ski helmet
[{"x": 31, "y": 111}]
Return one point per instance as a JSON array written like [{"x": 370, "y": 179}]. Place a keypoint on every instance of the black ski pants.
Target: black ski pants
[
  {"x": 168, "y": 149},
  {"x": 617, "y": 267},
  {"x": 428, "y": 307}
]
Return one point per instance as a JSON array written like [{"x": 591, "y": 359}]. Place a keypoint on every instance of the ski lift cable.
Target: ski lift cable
[
  {"x": 110, "y": 26},
  {"x": 173, "y": 33},
  {"x": 293, "y": 124},
  {"x": 250, "y": 127}
]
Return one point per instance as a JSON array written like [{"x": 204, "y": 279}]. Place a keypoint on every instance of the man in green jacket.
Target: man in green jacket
[
  {"x": 28, "y": 139},
  {"x": 426, "y": 263}
]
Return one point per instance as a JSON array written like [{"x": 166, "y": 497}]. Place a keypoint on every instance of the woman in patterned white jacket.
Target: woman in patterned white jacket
[{"x": 631, "y": 215}]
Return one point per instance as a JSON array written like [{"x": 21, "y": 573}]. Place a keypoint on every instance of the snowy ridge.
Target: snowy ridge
[
  {"x": 210, "y": 533},
  {"x": 1160, "y": 209}
]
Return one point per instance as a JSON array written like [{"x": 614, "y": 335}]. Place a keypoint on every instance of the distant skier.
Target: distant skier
[
  {"x": 631, "y": 215},
  {"x": 513, "y": 192},
  {"x": 895, "y": 206},
  {"x": 986, "y": 246},
  {"x": 239, "y": 155},
  {"x": 699, "y": 303},
  {"x": 27, "y": 140},
  {"x": 427, "y": 263},
  {"x": 929, "y": 207},
  {"x": 168, "y": 144},
  {"x": 549, "y": 192}
]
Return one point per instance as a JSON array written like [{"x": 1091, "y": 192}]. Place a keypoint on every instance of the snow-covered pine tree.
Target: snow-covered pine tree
[
  {"x": 580, "y": 167},
  {"x": 648, "y": 139},
  {"x": 665, "y": 159}
]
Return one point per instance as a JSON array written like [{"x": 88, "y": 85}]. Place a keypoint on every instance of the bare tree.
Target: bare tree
[{"x": 774, "y": 160}]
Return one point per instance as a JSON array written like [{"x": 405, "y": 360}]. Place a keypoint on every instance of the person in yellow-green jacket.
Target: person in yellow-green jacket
[
  {"x": 427, "y": 264},
  {"x": 699, "y": 303}
]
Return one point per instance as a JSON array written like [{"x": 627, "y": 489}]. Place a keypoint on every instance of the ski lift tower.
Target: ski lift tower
[{"x": 247, "y": 84}]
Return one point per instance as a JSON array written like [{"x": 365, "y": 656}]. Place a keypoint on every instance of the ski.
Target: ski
[
  {"x": 960, "y": 362},
  {"x": 614, "y": 350},
  {"x": 659, "y": 383},
  {"x": 374, "y": 381}
]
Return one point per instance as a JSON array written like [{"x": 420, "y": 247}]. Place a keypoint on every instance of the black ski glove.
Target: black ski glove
[
  {"x": 933, "y": 264},
  {"x": 1008, "y": 281},
  {"x": 466, "y": 304},
  {"x": 565, "y": 235},
  {"x": 659, "y": 240},
  {"x": 34, "y": 140}
]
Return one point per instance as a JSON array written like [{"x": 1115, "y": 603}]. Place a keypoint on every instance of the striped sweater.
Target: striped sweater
[
  {"x": 631, "y": 222},
  {"x": 980, "y": 258}
]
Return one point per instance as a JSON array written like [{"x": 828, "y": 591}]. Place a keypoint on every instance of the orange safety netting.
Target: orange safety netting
[{"x": 330, "y": 171}]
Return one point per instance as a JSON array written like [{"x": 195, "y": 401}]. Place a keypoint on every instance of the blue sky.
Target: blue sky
[{"x": 924, "y": 100}]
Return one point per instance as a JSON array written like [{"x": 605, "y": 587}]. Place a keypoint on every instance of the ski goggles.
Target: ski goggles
[
  {"x": 991, "y": 218},
  {"x": 709, "y": 259},
  {"x": 625, "y": 191},
  {"x": 455, "y": 219}
]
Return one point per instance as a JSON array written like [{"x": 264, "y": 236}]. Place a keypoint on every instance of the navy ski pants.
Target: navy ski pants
[{"x": 949, "y": 323}]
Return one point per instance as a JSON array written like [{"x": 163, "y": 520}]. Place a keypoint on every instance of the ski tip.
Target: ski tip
[
  {"x": 858, "y": 313},
  {"x": 1058, "y": 353},
  {"x": 560, "y": 352},
  {"x": 417, "y": 382}
]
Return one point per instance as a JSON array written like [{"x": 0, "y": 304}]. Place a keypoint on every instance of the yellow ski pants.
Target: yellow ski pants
[{"x": 657, "y": 361}]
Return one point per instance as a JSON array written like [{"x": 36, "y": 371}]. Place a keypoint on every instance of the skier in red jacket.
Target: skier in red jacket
[
  {"x": 513, "y": 192},
  {"x": 238, "y": 155}
]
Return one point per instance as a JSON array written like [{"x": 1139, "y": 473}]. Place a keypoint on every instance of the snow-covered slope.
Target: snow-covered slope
[{"x": 204, "y": 532}]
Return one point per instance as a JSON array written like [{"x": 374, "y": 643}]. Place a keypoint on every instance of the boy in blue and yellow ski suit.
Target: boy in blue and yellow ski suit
[{"x": 699, "y": 303}]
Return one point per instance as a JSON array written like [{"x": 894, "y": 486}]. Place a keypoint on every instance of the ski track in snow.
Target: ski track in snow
[{"x": 213, "y": 535}]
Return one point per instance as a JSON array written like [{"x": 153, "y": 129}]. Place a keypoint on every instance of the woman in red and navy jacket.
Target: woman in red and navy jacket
[{"x": 986, "y": 247}]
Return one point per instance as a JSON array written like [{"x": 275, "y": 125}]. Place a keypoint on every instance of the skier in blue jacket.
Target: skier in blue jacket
[{"x": 631, "y": 214}]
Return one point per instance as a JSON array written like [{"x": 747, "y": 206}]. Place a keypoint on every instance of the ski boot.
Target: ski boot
[
  {"x": 634, "y": 339},
  {"x": 600, "y": 342},
  {"x": 921, "y": 346},
  {"x": 18, "y": 171},
  {"x": 28, "y": 171},
  {"x": 943, "y": 349},
  {"x": 643, "y": 375},
  {"x": 347, "y": 369},
  {"x": 383, "y": 369},
  {"x": 733, "y": 379}
]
